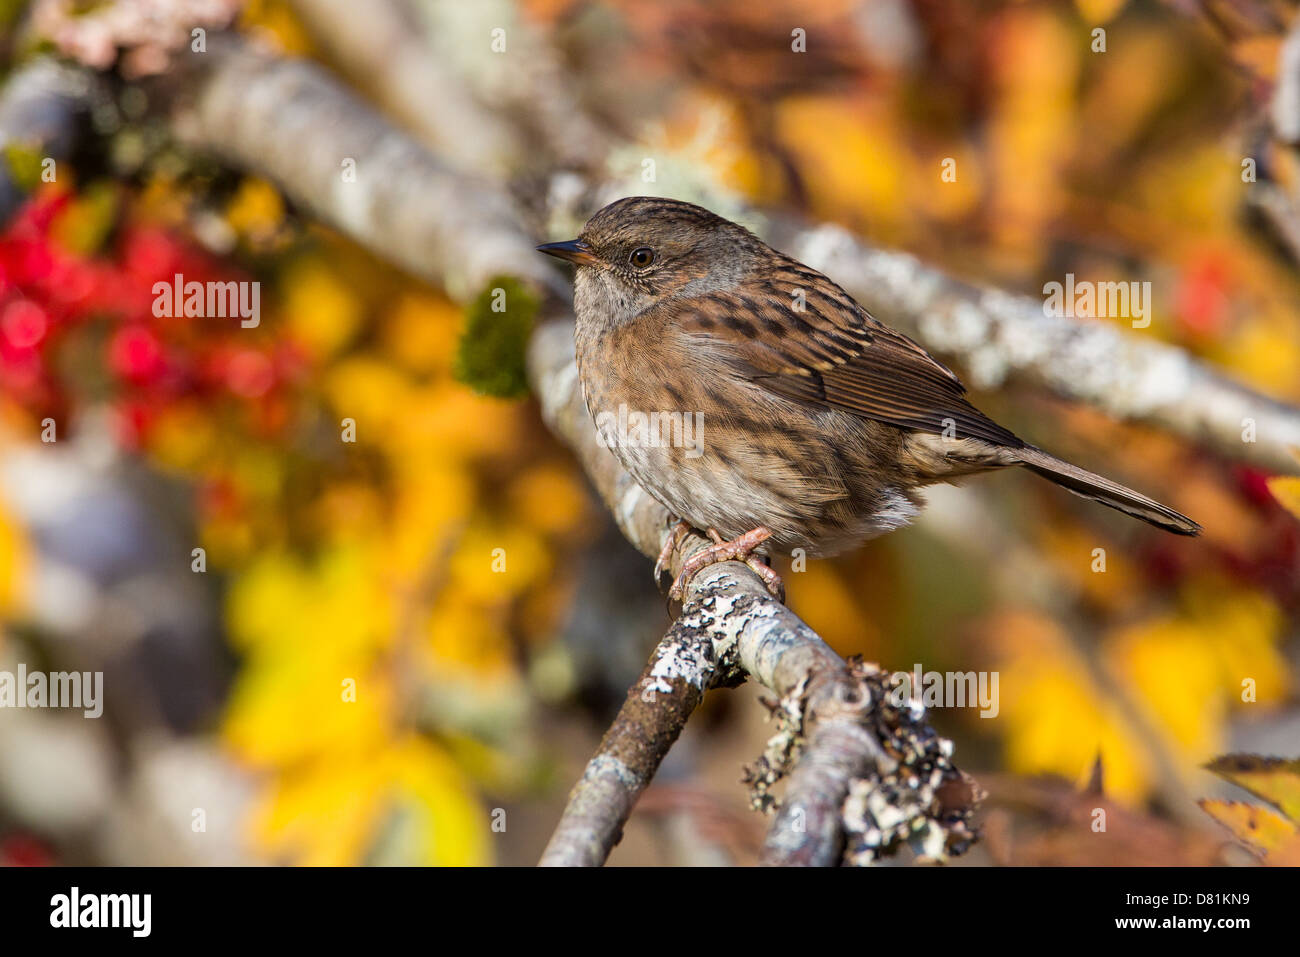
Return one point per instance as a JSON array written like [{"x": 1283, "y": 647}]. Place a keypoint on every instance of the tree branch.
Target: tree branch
[
  {"x": 381, "y": 45},
  {"x": 335, "y": 156}
]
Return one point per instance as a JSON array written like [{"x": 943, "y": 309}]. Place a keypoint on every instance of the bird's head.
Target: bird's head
[{"x": 639, "y": 251}]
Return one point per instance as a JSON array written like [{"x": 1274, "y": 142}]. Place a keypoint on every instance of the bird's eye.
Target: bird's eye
[{"x": 642, "y": 257}]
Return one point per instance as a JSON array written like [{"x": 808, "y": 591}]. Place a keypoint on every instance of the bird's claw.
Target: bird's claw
[
  {"x": 775, "y": 586},
  {"x": 739, "y": 549},
  {"x": 679, "y": 531}
]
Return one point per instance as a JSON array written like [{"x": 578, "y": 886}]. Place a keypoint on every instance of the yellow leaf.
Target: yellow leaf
[
  {"x": 548, "y": 498},
  {"x": 1287, "y": 855},
  {"x": 831, "y": 607},
  {"x": 492, "y": 563},
  {"x": 1259, "y": 54},
  {"x": 430, "y": 505},
  {"x": 1056, "y": 719},
  {"x": 1031, "y": 133},
  {"x": 1245, "y": 630},
  {"x": 1276, "y": 780},
  {"x": 274, "y": 23},
  {"x": 182, "y": 438},
  {"x": 420, "y": 333},
  {"x": 290, "y": 709},
  {"x": 348, "y": 513},
  {"x": 256, "y": 209},
  {"x": 372, "y": 393},
  {"x": 447, "y": 421},
  {"x": 1186, "y": 670},
  {"x": 333, "y": 811},
  {"x": 335, "y": 605},
  {"x": 453, "y": 827},
  {"x": 1099, "y": 11},
  {"x": 14, "y": 561},
  {"x": 862, "y": 177},
  {"x": 1265, "y": 351},
  {"x": 1175, "y": 674},
  {"x": 464, "y": 636},
  {"x": 1286, "y": 490},
  {"x": 1128, "y": 87},
  {"x": 323, "y": 814},
  {"x": 1070, "y": 547},
  {"x": 1252, "y": 824},
  {"x": 320, "y": 310}
]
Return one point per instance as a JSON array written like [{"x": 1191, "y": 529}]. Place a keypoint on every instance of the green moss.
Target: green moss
[{"x": 491, "y": 354}]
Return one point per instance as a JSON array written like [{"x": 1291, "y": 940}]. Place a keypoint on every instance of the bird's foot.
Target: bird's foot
[
  {"x": 739, "y": 549},
  {"x": 679, "y": 531}
]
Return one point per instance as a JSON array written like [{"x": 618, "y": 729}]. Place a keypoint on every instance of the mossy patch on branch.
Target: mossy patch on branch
[{"x": 491, "y": 354}]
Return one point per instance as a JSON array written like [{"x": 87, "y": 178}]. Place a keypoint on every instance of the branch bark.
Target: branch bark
[
  {"x": 381, "y": 44},
  {"x": 657, "y": 708},
  {"x": 333, "y": 155},
  {"x": 401, "y": 51}
]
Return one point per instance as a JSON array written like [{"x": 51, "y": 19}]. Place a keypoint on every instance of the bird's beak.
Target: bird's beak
[{"x": 575, "y": 251}]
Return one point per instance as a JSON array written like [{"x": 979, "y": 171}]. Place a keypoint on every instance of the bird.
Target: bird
[{"x": 761, "y": 404}]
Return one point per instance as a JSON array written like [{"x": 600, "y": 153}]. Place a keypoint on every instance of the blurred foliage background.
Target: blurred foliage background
[{"x": 450, "y": 566}]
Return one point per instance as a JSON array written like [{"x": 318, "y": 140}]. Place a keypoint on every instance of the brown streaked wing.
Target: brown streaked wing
[{"x": 833, "y": 353}]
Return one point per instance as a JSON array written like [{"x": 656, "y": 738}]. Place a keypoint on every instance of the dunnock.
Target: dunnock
[{"x": 757, "y": 401}]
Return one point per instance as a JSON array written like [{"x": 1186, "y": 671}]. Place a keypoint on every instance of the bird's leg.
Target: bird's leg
[
  {"x": 680, "y": 531},
  {"x": 740, "y": 549}
]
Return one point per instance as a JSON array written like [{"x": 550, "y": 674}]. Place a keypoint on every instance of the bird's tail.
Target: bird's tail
[{"x": 1103, "y": 490}]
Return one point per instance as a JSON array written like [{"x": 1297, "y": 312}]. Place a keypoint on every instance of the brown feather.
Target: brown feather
[{"x": 834, "y": 353}]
